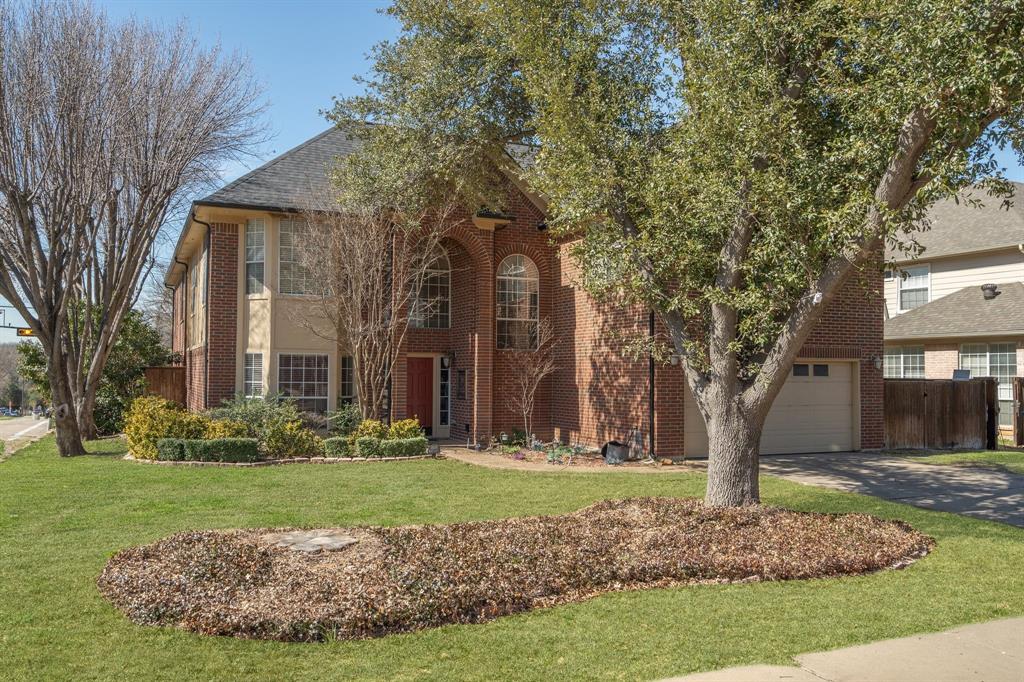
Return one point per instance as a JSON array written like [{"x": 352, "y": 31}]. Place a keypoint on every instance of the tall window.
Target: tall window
[
  {"x": 914, "y": 287},
  {"x": 906, "y": 362},
  {"x": 432, "y": 304},
  {"x": 253, "y": 375},
  {"x": 348, "y": 380},
  {"x": 304, "y": 379},
  {"x": 997, "y": 360},
  {"x": 444, "y": 409},
  {"x": 255, "y": 254},
  {"x": 518, "y": 303},
  {"x": 293, "y": 278}
]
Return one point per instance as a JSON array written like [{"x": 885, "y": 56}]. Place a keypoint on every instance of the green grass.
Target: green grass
[
  {"x": 1007, "y": 460},
  {"x": 60, "y": 520}
]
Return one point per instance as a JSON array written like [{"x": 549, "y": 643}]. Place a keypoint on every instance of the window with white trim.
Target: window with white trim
[
  {"x": 293, "y": 277},
  {"x": 348, "y": 380},
  {"x": 304, "y": 379},
  {"x": 431, "y": 306},
  {"x": 518, "y": 313},
  {"x": 444, "y": 393},
  {"x": 997, "y": 360},
  {"x": 255, "y": 255},
  {"x": 253, "y": 386},
  {"x": 904, "y": 362},
  {"x": 914, "y": 287}
]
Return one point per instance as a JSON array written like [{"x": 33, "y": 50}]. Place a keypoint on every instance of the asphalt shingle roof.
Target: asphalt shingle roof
[
  {"x": 290, "y": 181},
  {"x": 963, "y": 313},
  {"x": 962, "y": 228}
]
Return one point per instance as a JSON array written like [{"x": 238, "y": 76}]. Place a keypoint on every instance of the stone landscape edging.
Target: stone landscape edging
[{"x": 279, "y": 462}]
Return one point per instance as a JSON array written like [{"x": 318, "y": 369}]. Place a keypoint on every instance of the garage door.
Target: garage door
[{"x": 812, "y": 413}]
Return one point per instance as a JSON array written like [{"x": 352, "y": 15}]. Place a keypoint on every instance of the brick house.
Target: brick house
[{"x": 237, "y": 289}]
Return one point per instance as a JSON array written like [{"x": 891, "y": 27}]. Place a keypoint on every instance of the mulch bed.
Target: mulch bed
[
  {"x": 277, "y": 462},
  {"x": 584, "y": 460},
  {"x": 411, "y": 577}
]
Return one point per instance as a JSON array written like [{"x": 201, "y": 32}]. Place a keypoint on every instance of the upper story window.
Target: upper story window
[
  {"x": 518, "y": 312},
  {"x": 431, "y": 307},
  {"x": 293, "y": 278},
  {"x": 914, "y": 287},
  {"x": 904, "y": 362},
  {"x": 255, "y": 255}
]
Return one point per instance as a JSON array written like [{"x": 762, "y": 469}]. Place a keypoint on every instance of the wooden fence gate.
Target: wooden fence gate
[
  {"x": 941, "y": 414},
  {"x": 166, "y": 382}
]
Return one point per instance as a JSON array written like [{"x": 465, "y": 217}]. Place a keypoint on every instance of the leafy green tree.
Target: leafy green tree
[
  {"x": 12, "y": 394},
  {"x": 138, "y": 346},
  {"x": 731, "y": 165}
]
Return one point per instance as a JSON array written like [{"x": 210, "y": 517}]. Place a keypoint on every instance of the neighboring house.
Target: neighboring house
[
  {"x": 938, "y": 318},
  {"x": 238, "y": 288}
]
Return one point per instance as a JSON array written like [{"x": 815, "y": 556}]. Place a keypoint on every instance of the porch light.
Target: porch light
[{"x": 445, "y": 362}]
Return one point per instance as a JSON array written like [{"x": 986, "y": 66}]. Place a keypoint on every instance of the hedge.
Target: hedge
[
  {"x": 337, "y": 447},
  {"x": 214, "y": 450},
  {"x": 403, "y": 447},
  {"x": 367, "y": 446}
]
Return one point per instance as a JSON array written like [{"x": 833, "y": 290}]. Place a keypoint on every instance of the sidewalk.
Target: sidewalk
[{"x": 984, "y": 652}]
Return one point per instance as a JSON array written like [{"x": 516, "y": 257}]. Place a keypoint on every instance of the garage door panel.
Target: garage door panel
[{"x": 810, "y": 414}]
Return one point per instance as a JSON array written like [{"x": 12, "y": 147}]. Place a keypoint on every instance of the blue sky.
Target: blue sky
[{"x": 304, "y": 52}]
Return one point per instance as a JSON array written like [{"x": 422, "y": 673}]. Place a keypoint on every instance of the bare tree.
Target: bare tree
[
  {"x": 528, "y": 369},
  {"x": 157, "y": 306},
  {"x": 104, "y": 130},
  {"x": 367, "y": 267}
]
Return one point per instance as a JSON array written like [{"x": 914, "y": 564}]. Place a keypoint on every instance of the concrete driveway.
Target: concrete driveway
[{"x": 984, "y": 493}]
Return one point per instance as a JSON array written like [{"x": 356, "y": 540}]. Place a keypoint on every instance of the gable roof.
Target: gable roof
[
  {"x": 963, "y": 313},
  {"x": 962, "y": 228},
  {"x": 290, "y": 181}
]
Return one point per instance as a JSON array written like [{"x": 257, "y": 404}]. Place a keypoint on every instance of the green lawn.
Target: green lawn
[
  {"x": 61, "y": 519},
  {"x": 1009, "y": 460}
]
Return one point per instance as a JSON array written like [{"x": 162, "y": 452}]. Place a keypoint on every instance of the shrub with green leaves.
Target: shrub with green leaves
[
  {"x": 226, "y": 428},
  {"x": 212, "y": 450},
  {"x": 404, "y": 447},
  {"x": 346, "y": 419},
  {"x": 170, "y": 449},
  {"x": 338, "y": 446},
  {"x": 283, "y": 440},
  {"x": 405, "y": 428},
  {"x": 370, "y": 428},
  {"x": 151, "y": 418},
  {"x": 368, "y": 446},
  {"x": 257, "y": 414}
]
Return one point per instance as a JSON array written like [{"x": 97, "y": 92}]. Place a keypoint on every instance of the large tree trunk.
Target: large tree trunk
[
  {"x": 734, "y": 438},
  {"x": 86, "y": 417},
  {"x": 69, "y": 438}
]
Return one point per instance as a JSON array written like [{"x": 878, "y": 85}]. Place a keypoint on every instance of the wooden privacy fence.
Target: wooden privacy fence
[
  {"x": 166, "y": 382},
  {"x": 941, "y": 413},
  {"x": 1018, "y": 411}
]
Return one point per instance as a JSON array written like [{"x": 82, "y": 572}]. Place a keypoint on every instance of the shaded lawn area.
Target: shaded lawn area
[
  {"x": 1007, "y": 460},
  {"x": 60, "y": 520}
]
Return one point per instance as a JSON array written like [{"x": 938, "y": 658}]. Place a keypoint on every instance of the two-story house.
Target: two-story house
[
  {"x": 960, "y": 303},
  {"x": 238, "y": 287}
]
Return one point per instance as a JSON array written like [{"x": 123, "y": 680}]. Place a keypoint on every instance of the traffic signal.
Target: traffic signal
[{"x": 25, "y": 331}]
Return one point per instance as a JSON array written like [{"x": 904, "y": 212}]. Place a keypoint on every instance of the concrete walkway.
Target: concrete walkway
[
  {"x": 985, "y": 652},
  {"x": 984, "y": 493}
]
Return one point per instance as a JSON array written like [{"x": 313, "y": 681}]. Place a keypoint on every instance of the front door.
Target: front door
[{"x": 419, "y": 391}]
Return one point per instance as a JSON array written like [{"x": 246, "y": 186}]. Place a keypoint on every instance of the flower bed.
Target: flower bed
[
  {"x": 277, "y": 462},
  {"x": 406, "y": 578}
]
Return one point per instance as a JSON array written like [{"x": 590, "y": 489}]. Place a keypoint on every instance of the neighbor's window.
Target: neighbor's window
[
  {"x": 518, "y": 303},
  {"x": 255, "y": 254},
  {"x": 904, "y": 362},
  {"x": 997, "y": 360},
  {"x": 253, "y": 375},
  {"x": 304, "y": 379},
  {"x": 293, "y": 277},
  {"x": 432, "y": 304},
  {"x": 348, "y": 380},
  {"x": 914, "y": 287}
]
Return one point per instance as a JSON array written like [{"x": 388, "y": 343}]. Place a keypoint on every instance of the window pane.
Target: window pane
[
  {"x": 300, "y": 377},
  {"x": 821, "y": 370},
  {"x": 294, "y": 279},
  {"x": 518, "y": 303},
  {"x": 253, "y": 375},
  {"x": 801, "y": 370},
  {"x": 912, "y": 298}
]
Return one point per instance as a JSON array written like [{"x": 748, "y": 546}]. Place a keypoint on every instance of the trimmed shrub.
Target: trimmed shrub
[
  {"x": 405, "y": 428},
  {"x": 231, "y": 450},
  {"x": 226, "y": 428},
  {"x": 151, "y": 418},
  {"x": 403, "y": 447},
  {"x": 337, "y": 447},
  {"x": 170, "y": 449},
  {"x": 257, "y": 414},
  {"x": 283, "y": 440},
  {"x": 368, "y": 446},
  {"x": 370, "y": 428},
  {"x": 346, "y": 419}
]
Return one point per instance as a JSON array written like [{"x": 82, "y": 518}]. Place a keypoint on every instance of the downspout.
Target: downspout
[
  {"x": 206, "y": 296},
  {"x": 650, "y": 381}
]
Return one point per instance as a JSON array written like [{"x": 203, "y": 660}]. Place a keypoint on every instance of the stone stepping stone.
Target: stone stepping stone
[{"x": 310, "y": 540}]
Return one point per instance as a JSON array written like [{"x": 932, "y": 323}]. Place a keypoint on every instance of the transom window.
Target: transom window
[
  {"x": 904, "y": 362},
  {"x": 255, "y": 254},
  {"x": 431, "y": 307},
  {"x": 997, "y": 360},
  {"x": 293, "y": 277},
  {"x": 253, "y": 375},
  {"x": 518, "y": 303},
  {"x": 303, "y": 378},
  {"x": 914, "y": 287}
]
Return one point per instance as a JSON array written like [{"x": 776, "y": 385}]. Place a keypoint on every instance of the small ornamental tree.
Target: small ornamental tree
[
  {"x": 528, "y": 369},
  {"x": 731, "y": 166}
]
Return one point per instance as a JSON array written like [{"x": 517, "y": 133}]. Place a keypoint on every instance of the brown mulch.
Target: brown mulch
[
  {"x": 411, "y": 577},
  {"x": 584, "y": 460}
]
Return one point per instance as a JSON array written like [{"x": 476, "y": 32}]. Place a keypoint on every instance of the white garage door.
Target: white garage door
[{"x": 812, "y": 413}]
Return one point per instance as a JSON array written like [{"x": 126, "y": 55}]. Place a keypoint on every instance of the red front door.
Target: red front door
[{"x": 419, "y": 391}]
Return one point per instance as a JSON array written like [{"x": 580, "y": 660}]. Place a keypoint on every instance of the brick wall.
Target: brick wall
[
  {"x": 940, "y": 359},
  {"x": 222, "y": 307}
]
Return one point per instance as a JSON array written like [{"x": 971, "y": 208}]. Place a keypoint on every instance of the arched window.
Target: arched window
[
  {"x": 518, "y": 303},
  {"x": 432, "y": 305}
]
